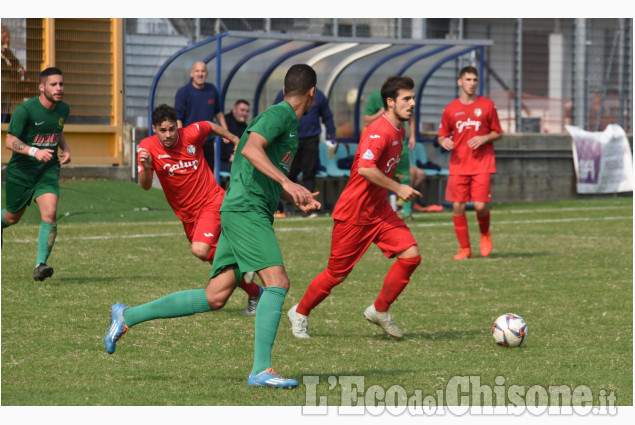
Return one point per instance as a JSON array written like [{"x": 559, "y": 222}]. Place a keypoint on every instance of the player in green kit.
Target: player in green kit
[
  {"x": 34, "y": 134},
  {"x": 247, "y": 240}
]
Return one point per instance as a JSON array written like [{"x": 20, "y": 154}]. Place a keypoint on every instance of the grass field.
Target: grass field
[{"x": 566, "y": 267}]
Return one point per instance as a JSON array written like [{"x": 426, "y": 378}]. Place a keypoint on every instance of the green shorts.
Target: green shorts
[
  {"x": 247, "y": 242},
  {"x": 20, "y": 196}
]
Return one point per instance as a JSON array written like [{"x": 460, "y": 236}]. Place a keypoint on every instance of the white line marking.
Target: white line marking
[{"x": 328, "y": 224}]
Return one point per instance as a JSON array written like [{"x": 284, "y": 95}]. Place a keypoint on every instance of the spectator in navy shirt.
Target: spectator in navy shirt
[
  {"x": 307, "y": 159},
  {"x": 196, "y": 101}
]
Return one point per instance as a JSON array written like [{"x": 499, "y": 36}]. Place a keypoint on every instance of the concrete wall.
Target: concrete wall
[{"x": 531, "y": 167}]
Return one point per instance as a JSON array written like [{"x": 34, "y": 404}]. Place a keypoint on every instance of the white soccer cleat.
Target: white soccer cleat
[
  {"x": 383, "y": 320},
  {"x": 299, "y": 323}
]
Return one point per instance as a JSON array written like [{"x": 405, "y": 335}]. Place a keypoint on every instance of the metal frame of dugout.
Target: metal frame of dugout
[{"x": 252, "y": 65}]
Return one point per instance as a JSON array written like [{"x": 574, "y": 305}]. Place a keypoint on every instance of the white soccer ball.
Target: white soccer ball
[{"x": 509, "y": 330}]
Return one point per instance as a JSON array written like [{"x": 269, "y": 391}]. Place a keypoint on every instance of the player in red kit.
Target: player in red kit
[
  {"x": 468, "y": 127},
  {"x": 363, "y": 215},
  {"x": 177, "y": 156}
]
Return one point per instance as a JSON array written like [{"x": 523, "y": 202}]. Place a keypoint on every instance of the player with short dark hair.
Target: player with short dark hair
[
  {"x": 176, "y": 156},
  {"x": 247, "y": 240},
  {"x": 34, "y": 134},
  {"x": 363, "y": 215},
  {"x": 469, "y": 126}
]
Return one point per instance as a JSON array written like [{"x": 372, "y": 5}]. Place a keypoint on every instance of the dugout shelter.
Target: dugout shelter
[{"x": 252, "y": 66}]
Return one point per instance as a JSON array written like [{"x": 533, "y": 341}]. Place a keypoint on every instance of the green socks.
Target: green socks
[
  {"x": 177, "y": 304},
  {"x": 268, "y": 315},
  {"x": 45, "y": 241},
  {"x": 186, "y": 303}
]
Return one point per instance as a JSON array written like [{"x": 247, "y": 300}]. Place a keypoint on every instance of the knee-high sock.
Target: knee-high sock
[
  {"x": 483, "y": 223},
  {"x": 461, "y": 230},
  {"x": 45, "y": 241},
  {"x": 318, "y": 290},
  {"x": 268, "y": 315},
  {"x": 177, "y": 304},
  {"x": 396, "y": 280},
  {"x": 252, "y": 289}
]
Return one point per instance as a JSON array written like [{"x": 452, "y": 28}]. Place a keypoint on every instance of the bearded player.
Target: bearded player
[
  {"x": 176, "y": 156},
  {"x": 469, "y": 126},
  {"x": 35, "y": 133},
  {"x": 363, "y": 215}
]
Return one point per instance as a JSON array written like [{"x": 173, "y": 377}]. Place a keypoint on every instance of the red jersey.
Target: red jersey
[
  {"x": 463, "y": 122},
  {"x": 185, "y": 177},
  {"x": 362, "y": 202}
]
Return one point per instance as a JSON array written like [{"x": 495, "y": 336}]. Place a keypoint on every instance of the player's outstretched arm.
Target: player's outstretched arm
[{"x": 222, "y": 132}]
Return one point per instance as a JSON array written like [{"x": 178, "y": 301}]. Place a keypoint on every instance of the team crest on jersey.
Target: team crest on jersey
[
  {"x": 478, "y": 112},
  {"x": 286, "y": 161},
  {"x": 191, "y": 149},
  {"x": 60, "y": 123},
  {"x": 368, "y": 155}
]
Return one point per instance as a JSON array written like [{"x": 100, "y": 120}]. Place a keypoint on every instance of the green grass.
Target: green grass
[{"x": 566, "y": 267}]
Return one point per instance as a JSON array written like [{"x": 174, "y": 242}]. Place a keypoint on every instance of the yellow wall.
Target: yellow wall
[{"x": 90, "y": 144}]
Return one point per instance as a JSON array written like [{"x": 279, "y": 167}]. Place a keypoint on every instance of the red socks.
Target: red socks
[
  {"x": 396, "y": 280},
  {"x": 252, "y": 289},
  {"x": 460, "y": 228},
  {"x": 318, "y": 290},
  {"x": 483, "y": 223}
]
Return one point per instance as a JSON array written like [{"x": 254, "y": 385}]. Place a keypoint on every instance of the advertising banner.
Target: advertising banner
[{"x": 603, "y": 160}]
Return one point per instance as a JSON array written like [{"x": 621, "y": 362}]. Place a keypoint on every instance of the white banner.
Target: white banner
[{"x": 603, "y": 160}]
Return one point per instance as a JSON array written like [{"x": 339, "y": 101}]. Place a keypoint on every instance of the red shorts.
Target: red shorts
[
  {"x": 350, "y": 241},
  {"x": 476, "y": 188},
  {"x": 206, "y": 228}
]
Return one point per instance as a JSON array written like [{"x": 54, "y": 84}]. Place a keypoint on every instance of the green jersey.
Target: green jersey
[
  {"x": 37, "y": 126},
  {"x": 374, "y": 103},
  {"x": 249, "y": 189}
]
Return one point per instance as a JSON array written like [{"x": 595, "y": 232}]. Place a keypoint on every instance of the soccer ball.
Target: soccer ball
[{"x": 509, "y": 330}]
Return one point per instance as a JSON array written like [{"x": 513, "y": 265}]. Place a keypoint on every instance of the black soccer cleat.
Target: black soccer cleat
[{"x": 42, "y": 271}]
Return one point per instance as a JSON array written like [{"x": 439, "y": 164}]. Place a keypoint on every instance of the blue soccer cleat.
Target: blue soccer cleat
[
  {"x": 117, "y": 327},
  {"x": 269, "y": 378}
]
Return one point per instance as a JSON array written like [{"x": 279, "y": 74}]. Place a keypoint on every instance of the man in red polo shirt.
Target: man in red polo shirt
[
  {"x": 469, "y": 126},
  {"x": 363, "y": 215}
]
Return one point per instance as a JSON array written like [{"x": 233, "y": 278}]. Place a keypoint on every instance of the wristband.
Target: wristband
[{"x": 32, "y": 151}]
